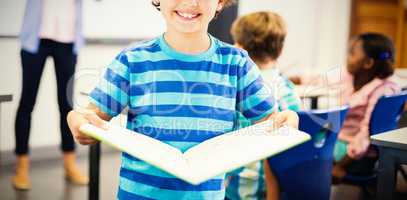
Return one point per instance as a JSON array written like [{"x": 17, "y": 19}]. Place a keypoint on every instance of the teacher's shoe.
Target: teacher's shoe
[
  {"x": 21, "y": 180},
  {"x": 72, "y": 172}
]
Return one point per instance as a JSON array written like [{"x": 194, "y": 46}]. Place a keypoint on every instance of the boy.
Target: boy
[
  {"x": 262, "y": 34},
  {"x": 182, "y": 88}
]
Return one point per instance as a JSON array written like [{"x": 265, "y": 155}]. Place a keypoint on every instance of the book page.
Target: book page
[
  {"x": 208, "y": 159},
  {"x": 141, "y": 146},
  {"x": 235, "y": 149}
]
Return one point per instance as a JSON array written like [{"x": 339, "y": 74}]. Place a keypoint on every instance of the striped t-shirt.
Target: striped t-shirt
[{"x": 182, "y": 100}]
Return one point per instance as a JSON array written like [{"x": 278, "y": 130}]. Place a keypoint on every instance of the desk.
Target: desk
[
  {"x": 4, "y": 98},
  {"x": 393, "y": 151},
  {"x": 310, "y": 92},
  {"x": 94, "y": 171},
  {"x": 94, "y": 167}
]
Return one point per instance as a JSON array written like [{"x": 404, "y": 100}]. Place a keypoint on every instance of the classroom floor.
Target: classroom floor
[
  {"x": 47, "y": 178},
  {"x": 48, "y": 183}
]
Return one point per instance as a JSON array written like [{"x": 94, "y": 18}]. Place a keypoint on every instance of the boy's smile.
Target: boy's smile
[{"x": 189, "y": 16}]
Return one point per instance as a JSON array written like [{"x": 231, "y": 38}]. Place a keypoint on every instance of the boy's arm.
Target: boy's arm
[
  {"x": 285, "y": 117},
  {"x": 93, "y": 115}
]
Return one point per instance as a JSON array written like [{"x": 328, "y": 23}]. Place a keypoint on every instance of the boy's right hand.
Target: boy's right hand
[{"x": 77, "y": 118}]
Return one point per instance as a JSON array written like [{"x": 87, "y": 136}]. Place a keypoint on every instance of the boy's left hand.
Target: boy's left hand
[{"x": 286, "y": 117}]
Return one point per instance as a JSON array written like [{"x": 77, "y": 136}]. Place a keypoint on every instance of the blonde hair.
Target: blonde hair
[{"x": 262, "y": 34}]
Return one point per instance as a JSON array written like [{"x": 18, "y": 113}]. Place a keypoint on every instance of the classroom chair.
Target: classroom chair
[
  {"x": 304, "y": 172},
  {"x": 385, "y": 117}
]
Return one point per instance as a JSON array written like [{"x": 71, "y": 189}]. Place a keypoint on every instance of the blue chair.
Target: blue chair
[
  {"x": 304, "y": 172},
  {"x": 385, "y": 117}
]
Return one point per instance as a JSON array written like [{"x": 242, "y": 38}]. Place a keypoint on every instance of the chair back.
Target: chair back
[
  {"x": 387, "y": 112},
  {"x": 304, "y": 172}
]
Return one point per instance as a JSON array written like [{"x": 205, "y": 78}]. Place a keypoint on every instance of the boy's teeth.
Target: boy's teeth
[{"x": 187, "y": 15}]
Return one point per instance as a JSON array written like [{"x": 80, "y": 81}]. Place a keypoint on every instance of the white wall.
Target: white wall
[
  {"x": 101, "y": 19},
  {"x": 11, "y": 15},
  {"x": 121, "y": 19},
  {"x": 318, "y": 31}
]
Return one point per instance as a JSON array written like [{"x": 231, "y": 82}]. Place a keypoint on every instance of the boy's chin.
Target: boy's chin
[{"x": 189, "y": 30}]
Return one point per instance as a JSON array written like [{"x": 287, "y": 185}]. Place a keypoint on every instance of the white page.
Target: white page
[
  {"x": 208, "y": 159},
  {"x": 230, "y": 151},
  {"x": 142, "y": 147}
]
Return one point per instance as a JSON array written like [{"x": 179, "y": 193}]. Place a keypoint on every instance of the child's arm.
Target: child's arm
[
  {"x": 108, "y": 99},
  {"x": 285, "y": 117},
  {"x": 92, "y": 114}
]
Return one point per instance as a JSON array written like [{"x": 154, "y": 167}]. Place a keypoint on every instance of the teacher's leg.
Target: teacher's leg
[
  {"x": 32, "y": 68},
  {"x": 65, "y": 62}
]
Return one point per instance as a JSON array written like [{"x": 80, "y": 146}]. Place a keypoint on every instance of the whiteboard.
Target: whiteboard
[
  {"x": 11, "y": 16},
  {"x": 119, "y": 19}
]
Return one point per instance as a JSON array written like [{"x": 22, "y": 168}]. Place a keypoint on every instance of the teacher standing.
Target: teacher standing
[{"x": 51, "y": 28}]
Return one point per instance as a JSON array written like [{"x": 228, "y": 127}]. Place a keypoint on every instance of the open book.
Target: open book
[{"x": 208, "y": 159}]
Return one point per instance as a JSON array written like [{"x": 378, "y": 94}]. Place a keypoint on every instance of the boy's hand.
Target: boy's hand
[
  {"x": 286, "y": 117},
  {"x": 77, "y": 118}
]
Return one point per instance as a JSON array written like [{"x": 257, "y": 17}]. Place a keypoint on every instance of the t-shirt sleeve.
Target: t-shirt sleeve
[
  {"x": 111, "y": 94},
  {"x": 286, "y": 96},
  {"x": 255, "y": 98}
]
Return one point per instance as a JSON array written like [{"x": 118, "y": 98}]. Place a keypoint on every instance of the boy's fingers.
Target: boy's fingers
[
  {"x": 287, "y": 117},
  {"x": 278, "y": 120},
  {"x": 290, "y": 118},
  {"x": 80, "y": 136},
  {"x": 75, "y": 119},
  {"x": 97, "y": 121},
  {"x": 84, "y": 139},
  {"x": 87, "y": 142}
]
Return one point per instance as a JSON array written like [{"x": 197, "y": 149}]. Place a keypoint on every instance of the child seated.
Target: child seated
[
  {"x": 262, "y": 34},
  {"x": 370, "y": 62}
]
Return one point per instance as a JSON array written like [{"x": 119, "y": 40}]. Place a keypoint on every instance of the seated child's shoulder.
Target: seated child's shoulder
[{"x": 390, "y": 87}]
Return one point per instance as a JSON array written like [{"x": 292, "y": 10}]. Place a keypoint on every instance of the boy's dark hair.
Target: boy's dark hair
[
  {"x": 380, "y": 48},
  {"x": 262, "y": 34},
  {"x": 156, "y": 4}
]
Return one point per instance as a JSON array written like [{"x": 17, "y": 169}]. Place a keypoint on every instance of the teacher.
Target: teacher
[{"x": 50, "y": 29}]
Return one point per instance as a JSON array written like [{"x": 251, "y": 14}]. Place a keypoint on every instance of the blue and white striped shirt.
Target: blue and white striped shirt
[{"x": 181, "y": 100}]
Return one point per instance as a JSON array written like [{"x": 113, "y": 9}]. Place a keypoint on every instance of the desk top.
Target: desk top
[
  {"x": 393, "y": 139},
  {"x": 4, "y": 98},
  {"x": 400, "y": 77},
  {"x": 310, "y": 91}
]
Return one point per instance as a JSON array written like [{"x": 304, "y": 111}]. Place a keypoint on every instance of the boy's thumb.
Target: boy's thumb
[{"x": 97, "y": 121}]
